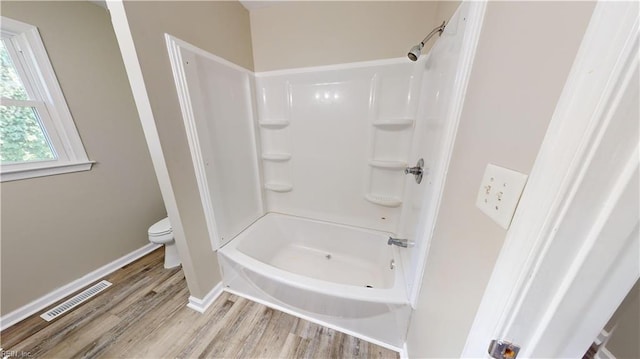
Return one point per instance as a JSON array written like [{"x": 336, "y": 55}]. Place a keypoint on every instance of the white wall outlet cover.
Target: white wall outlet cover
[{"x": 499, "y": 193}]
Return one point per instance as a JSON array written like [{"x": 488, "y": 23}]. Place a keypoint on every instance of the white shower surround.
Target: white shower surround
[
  {"x": 339, "y": 163},
  {"x": 336, "y": 139}
]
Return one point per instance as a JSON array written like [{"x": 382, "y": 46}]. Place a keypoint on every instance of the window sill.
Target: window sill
[{"x": 44, "y": 170}]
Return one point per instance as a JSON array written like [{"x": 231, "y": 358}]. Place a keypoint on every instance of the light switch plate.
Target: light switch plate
[{"x": 499, "y": 193}]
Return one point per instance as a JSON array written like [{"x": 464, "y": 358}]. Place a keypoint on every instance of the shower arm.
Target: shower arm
[{"x": 438, "y": 29}]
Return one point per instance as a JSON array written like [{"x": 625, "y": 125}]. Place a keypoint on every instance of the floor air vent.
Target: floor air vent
[{"x": 75, "y": 301}]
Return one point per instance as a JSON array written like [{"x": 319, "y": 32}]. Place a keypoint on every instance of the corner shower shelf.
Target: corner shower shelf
[
  {"x": 274, "y": 124},
  {"x": 278, "y": 187},
  {"x": 381, "y": 200},
  {"x": 276, "y": 157},
  {"x": 392, "y": 165},
  {"x": 394, "y": 124}
]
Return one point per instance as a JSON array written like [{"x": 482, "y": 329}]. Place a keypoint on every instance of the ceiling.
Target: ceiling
[
  {"x": 258, "y": 4},
  {"x": 248, "y": 4},
  {"x": 101, "y": 3}
]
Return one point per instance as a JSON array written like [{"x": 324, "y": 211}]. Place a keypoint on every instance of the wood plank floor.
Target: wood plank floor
[{"x": 144, "y": 315}]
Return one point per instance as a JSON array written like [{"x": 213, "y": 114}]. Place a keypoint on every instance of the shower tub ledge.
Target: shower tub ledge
[{"x": 342, "y": 277}]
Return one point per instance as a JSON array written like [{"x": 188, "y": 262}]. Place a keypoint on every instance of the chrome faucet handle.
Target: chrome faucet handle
[
  {"x": 400, "y": 242},
  {"x": 413, "y": 170},
  {"x": 417, "y": 171}
]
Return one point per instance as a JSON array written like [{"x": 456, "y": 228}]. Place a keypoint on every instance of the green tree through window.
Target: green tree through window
[{"x": 22, "y": 137}]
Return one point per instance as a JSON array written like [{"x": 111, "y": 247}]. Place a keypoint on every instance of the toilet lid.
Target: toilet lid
[{"x": 161, "y": 227}]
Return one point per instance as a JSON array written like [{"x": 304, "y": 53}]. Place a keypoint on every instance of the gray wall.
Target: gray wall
[
  {"x": 314, "y": 33},
  {"x": 221, "y": 28},
  {"x": 57, "y": 229},
  {"x": 624, "y": 343},
  {"x": 518, "y": 74}
]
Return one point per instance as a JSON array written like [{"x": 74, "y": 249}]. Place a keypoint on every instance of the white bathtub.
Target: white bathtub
[{"x": 343, "y": 277}]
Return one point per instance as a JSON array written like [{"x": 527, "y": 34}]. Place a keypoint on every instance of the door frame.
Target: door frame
[{"x": 602, "y": 69}]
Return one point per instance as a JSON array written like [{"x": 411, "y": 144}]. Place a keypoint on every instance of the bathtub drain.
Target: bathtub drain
[{"x": 368, "y": 286}]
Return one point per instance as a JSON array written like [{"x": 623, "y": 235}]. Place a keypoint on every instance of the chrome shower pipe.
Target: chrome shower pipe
[{"x": 414, "y": 53}]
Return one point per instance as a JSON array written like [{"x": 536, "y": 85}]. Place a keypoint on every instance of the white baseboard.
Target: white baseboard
[
  {"x": 604, "y": 353},
  {"x": 201, "y": 305},
  {"x": 314, "y": 320},
  {"x": 70, "y": 288},
  {"x": 404, "y": 352}
]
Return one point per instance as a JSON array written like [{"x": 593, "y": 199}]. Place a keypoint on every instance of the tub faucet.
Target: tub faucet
[{"x": 404, "y": 243}]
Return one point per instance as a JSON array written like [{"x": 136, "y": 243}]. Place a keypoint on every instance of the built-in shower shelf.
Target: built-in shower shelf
[
  {"x": 274, "y": 124},
  {"x": 394, "y": 123},
  {"x": 391, "y": 165},
  {"x": 278, "y": 187},
  {"x": 386, "y": 201},
  {"x": 276, "y": 157}
]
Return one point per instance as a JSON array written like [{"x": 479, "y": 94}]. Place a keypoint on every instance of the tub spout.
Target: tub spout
[{"x": 404, "y": 243}]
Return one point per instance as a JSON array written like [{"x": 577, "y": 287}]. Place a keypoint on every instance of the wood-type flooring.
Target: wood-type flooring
[{"x": 144, "y": 315}]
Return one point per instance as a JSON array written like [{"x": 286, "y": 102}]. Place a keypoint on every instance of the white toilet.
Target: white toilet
[{"x": 162, "y": 233}]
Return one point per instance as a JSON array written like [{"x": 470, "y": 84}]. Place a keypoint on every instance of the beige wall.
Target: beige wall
[
  {"x": 518, "y": 74},
  {"x": 624, "y": 343},
  {"x": 446, "y": 9},
  {"x": 57, "y": 229},
  {"x": 314, "y": 33},
  {"x": 221, "y": 28}
]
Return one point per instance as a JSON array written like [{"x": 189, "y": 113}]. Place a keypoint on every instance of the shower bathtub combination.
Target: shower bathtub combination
[
  {"x": 342, "y": 276},
  {"x": 308, "y": 191}
]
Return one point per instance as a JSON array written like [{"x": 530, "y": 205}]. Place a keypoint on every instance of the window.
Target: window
[{"x": 37, "y": 134}]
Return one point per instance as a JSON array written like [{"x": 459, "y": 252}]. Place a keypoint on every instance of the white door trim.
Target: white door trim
[{"x": 603, "y": 66}]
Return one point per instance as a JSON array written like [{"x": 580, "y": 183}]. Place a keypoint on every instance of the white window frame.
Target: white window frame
[{"x": 32, "y": 63}]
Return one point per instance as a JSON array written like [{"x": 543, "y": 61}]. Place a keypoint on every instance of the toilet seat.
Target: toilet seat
[
  {"x": 161, "y": 238},
  {"x": 160, "y": 228}
]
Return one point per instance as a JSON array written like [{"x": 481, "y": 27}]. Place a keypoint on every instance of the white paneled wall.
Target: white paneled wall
[
  {"x": 218, "y": 99},
  {"x": 335, "y": 140},
  {"x": 435, "y": 129}
]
